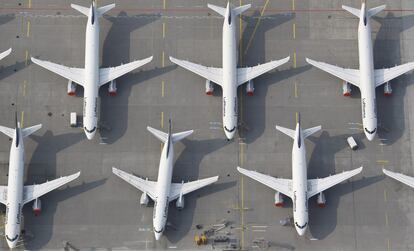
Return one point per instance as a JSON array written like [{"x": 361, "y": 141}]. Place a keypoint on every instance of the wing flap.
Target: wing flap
[
  {"x": 145, "y": 186},
  {"x": 349, "y": 75},
  {"x": 382, "y": 76},
  {"x": 213, "y": 74},
  {"x": 108, "y": 74},
  {"x": 73, "y": 74},
  {"x": 185, "y": 188},
  {"x": 316, "y": 186},
  {"x": 35, "y": 191},
  {"x": 281, "y": 185},
  {"x": 408, "y": 180},
  {"x": 249, "y": 73}
]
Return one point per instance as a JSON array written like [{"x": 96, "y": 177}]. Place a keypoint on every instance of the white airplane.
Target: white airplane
[
  {"x": 5, "y": 53},
  {"x": 15, "y": 195},
  {"x": 366, "y": 78},
  {"x": 299, "y": 188},
  {"x": 163, "y": 191},
  {"x": 91, "y": 77},
  {"x": 408, "y": 180},
  {"x": 229, "y": 77}
]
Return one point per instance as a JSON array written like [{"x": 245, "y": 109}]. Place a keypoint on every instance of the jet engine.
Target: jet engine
[
  {"x": 387, "y": 89},
  {"x": 279, "y": 200},
  {"x": 321, "y": 200},
  {"x": 37, "y": 207},
  {"x": 71, "y": 88},
  {"x": 180, "y": 202},
  {"x": 346, "y": 89},
  {"x": 250, "y": 88},
  {"x": 144, "y": 199},
  {"x": 209, "y": 88},
  {"x": 112, "y": 88}
]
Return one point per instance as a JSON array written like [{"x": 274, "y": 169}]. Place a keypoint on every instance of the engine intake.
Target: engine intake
[
  {"x": 209, "y": 88},
  {"x": 112, "y": 88},
  {"x": 387, "y": 89},
  {"x": 144, "y": 200},
  {"x": 279, "y": 200},
  {"x": 180, "y": 202},
  {"x": 321, "y": 200},
  {"x": 71, "y": 90},
  {"x": 37, "y": 207},
  {"x": 346, "y": 89},
  {"x": 250, "y": 88}
]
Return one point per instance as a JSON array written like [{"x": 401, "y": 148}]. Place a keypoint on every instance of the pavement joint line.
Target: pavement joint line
[
  {"x": 386, "y": 219},
  {"x": 385, "y": 195},
  {"x": 256, "y": 26},
  {"x": 297, "y": 117},
  {"x": 28, "y": 29},
  {"x": 388, "y": 244},
  {"x": 22, "y": 23},
  {"x": 24, "y": 88}
]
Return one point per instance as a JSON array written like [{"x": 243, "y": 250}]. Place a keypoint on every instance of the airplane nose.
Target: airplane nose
[
  {"x": 301, "y": 231},
  {"x": 90, "y": 135},
  {"x": 158, "y": 236},
  {"x": 370, "y": 137},
  {"x": 229, "y": 135},
  {"x": 11, "y": 244}
]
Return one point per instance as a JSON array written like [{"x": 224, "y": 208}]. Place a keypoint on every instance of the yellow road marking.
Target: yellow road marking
[
  {"x": 297, "y": 117},
  {"x": 294, "y": 31},
  {"x": 257, "y": 25},
  {"x": 242, "y": 195},
  {"x": 22, "y": 119},
  {"x": 162, "y": 119},
  {"x": 296, "y": 89},
  {"x": 163, "y": 30},
  {"x": 30, "y": 3},
  {"x": 382, "y": 162},
  {"x": 24, "y": 88},
  {"x": 27, "y": 56},
  {"x": 385, "y": 195},
  {"x": 163, "y": 59},
  {"x": 388, "y": 244},
  {"x": 162, "y": 88},
  {"x": 293, "y": 4},
  {"x": 164, "y": 4},
  {"x": 294, "y": 59},
  {"x": 28, "y": 29}
]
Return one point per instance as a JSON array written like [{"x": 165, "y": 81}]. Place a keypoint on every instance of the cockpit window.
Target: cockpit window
[
  {"x": 301, "y": 227},
  {"x": 90, "y": 131},
  {"x": 229, "y": 130},
  {"x": 158, "y": 231},
  {"x": 12, "y": 239},
  {"x": 370, "y": 132}
]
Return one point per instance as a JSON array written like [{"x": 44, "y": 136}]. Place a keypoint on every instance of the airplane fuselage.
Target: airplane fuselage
[
  {"x": 229, "y": 77},
  {"x": 367, "y": 78},
  {"x": 163, "y": 189},
  {"x": 91, "y": 85},
  {"x": 15, "y": 191},
  {"x": 299, "y": 183}
]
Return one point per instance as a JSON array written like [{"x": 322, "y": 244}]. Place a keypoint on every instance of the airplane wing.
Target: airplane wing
[
  {"x": 185, "y": 188},
  {"x": 249, "y": 73},
  {"x": 5, "y": 53},
  {"x": 349, "y": 75},
  {"x": 382, "y": 76},
  {"x": 316, "y": 186},
  {"x": 108, "y": 74},
  {"x": 213, "y": 74},
  {"x": 281, "y": 185},
  {"x": 409, "y": 181},
  {"x": 35, "y": 191},
  {"x": 73, "y": 74},
  {"x": 145, "y": 186},
  {"x": 3, "y": 195}
]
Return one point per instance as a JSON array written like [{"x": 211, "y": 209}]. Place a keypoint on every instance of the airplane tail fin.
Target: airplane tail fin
[
  {"x": 81, "y": 9},
  {"x": 222, "y": 11},
  {"x": 85, "y": 10},
  {"x": 370, "y": 12},
  {"x": 175, "y": 137}
]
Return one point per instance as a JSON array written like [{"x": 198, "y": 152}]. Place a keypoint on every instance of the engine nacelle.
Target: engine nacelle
[
  {"x": 37, "y": 207},
  {"x": 209, "y": 88},
  {"x": 144, "y": 199},
  {"x": 387, "y": 89},
  {"x": 250, "y": 88},
  {"x": 321, "y": 200},
  {"x": 71, "y": 90},
  {"x": 180, "y": 202},
  {"x": 346, "y": 89},
  {"x": 112, "y": 88},
  {"x": 279, "y": 200}
]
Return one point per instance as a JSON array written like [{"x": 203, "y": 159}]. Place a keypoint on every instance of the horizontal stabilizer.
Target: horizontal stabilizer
[
  {"x": 308, "y": 132},
  {"x": 102, "y": 10},
  {"x": 351, "y": 10},
  {"x": 376, "y": 10},
  {"x": 145, "y": 186},
  {"x": 210, "y": 73},
  {"x": 408, "y": 180},
  {"x": 108, "y": 74},
  {"x": 7, "y": 131},
  {"x": 316, "y": 186},
  {"x": 382, "y": 76},
  {"x": 218, "y": 9},
  {"x": 29, "y": 130},
  {"x": 178, "y": 189},
  {"x": 349, "y": 75},
  {"x": 5, "y": 53},
  {"x": 180, "y": 135},
  {"x": 158, "y": 134},
  {"x": 281, "y": 185},
  {"x": 81, "y": 9},
  {"x": 287, "y": 131},
  {"x": 73, "y": 74},
  {"x": 35, "y": 191},
  {"x": 239, "y": 10},
  {"x": 249, "y": 73}
]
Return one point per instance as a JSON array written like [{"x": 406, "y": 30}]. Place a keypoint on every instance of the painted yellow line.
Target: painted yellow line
[
  {"x": 382, "y": 162},
  {"x": 388, "y": 244},
  {"x": 162, "y": 88},
  {"x": 162, "y": 119},
  {"x": 27, "y": 57},
  {"x": 28, "y": 29},
  {"x": 255, "y": 28},
  {"x": 24, "y": 88},
  {"x": 164, "y": 5},
  {"x": 163, "y": 59},
  {"x": 294, "y": 59},
  {"x": 22, "y": 119},
  {"x": 297, "y": 117},
  {"x": 30, "y": 4},
  {"x": 293, "y": 5},
  {"x": 242, "y": 196},
  {"x": 163, "y": 30},
  {"x": 296, "y": 89},
  {"x": 386, "y": 219},
  {"x": 385, "y": 195},
  {"x": 294, "y": 31}
]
